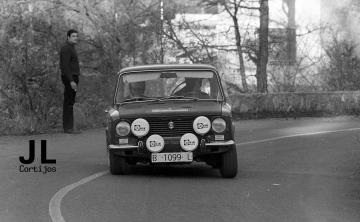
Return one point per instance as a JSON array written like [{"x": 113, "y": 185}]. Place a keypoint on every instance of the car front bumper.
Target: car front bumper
[
  {"x": 132, "y": 147},
  {"x": 140, "y": 150}
]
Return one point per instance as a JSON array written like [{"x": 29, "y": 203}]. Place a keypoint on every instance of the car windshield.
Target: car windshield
[{"x": 168, "y": 85}]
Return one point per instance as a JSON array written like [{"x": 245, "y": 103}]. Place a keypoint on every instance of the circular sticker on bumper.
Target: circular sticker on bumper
[
  {"x": 201, "y": 125},
  {"x": 189, "y": 142},
  {"x": 140, "y": 127},
  {"x": 155, "y": 143}
]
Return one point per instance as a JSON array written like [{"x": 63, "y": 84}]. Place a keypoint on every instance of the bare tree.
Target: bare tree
[
  {"x": 200, "y": 49},
  {"x": 232, "y": 7},
  {"x": 259, "y": 55}
]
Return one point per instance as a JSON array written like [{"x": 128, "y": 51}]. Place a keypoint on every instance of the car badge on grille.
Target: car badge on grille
[{"x": 171, "y": 125}]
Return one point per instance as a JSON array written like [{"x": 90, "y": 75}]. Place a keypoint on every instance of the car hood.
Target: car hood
[{"x": 169, "y": 108}]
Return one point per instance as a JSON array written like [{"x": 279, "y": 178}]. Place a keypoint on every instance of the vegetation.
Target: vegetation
[
  {"x": 117, "y": 34},
  {"x": 30, "y": 87}
]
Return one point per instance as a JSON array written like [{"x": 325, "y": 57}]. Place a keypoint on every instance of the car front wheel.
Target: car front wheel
[
  {"x": 117, "y": 164},
  {"x": 228, "y": 163}
]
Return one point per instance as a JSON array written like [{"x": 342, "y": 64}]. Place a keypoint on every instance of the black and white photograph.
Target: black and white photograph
[{"x": 180, "y": 110}]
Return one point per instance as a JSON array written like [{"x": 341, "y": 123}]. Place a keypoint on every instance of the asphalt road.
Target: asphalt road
[{"x": 289, "y": 170}]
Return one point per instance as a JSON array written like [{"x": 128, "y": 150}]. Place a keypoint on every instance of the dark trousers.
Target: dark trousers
[{"x": 69, "y": 101}]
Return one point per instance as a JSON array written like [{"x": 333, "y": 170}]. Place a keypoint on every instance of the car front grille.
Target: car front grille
[{"x": 160, "y": 126}]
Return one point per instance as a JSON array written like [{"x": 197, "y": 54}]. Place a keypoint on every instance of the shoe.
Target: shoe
[{"x": 71, "y": 131}]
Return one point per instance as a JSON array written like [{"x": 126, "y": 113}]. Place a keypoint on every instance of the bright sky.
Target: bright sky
[{"x": 307, "y": 11}]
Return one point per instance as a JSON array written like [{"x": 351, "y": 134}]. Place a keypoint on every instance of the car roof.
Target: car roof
[{"x": 160, "y": 67}]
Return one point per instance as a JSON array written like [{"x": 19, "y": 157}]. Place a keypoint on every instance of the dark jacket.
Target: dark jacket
[{"x": 69, "y": 63}]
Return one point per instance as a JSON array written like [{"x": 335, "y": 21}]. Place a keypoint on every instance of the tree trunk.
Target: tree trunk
[
  {"x": 261, "y": 74},
  {"x": 291, "y": 31},
  {"x": 240, "y": 54},
  {"x": 291, "y": 46}
]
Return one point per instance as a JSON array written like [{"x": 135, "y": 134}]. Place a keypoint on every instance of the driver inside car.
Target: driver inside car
[{"x": 192, "y": 88}]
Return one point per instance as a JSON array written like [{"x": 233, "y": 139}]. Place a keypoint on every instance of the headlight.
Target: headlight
[
  {"x": 189, "y": 142},
  {"x": 123, "y": 128},
  {"x": 155, "y": 143},
  {"x": 219, "y": 125},
  {"x": 201, "y": 125},
  {"x": 140, "y": 127}
]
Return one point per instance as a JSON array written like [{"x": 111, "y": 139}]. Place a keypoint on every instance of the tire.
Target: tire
[
  {"x": 117, "y": 164},
  {"x": 228, "y": 163}
]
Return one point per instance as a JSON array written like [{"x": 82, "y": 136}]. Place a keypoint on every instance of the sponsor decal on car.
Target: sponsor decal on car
[
  {"x": 139, "y": 128},
  {"x": 202, "y": 126}
]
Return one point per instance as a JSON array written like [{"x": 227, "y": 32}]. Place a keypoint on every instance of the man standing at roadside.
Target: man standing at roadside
[{"x": 70, "y": 71}]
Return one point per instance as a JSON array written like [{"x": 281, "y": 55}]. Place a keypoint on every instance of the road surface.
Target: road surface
[{"x": 289, "y": 170}]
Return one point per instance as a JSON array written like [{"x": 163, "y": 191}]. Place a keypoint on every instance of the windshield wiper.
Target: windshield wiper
[{"x": 138, "y": 99}]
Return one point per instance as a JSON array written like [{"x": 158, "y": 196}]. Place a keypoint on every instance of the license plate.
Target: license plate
[{"x": 171, "y": 157}]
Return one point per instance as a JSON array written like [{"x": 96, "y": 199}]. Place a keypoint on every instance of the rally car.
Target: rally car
[{"x": 170, "y": 114}]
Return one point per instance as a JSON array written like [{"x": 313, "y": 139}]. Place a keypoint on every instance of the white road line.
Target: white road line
[
  {"x": 55, "y": 202},
  {"x": 296, "y": 135}
]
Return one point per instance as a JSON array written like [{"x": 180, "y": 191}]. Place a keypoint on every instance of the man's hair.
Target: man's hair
[{"x": 71, "y": 31}]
